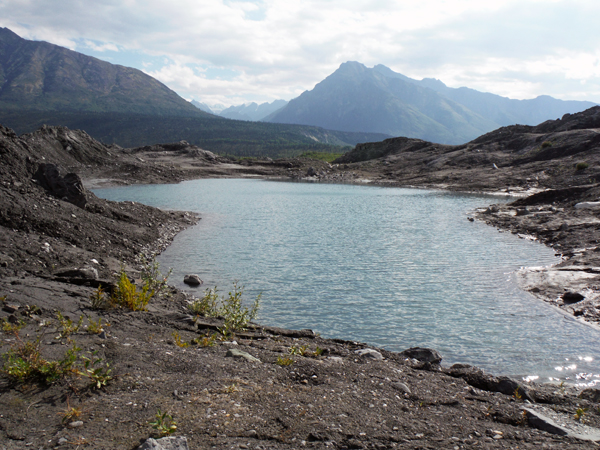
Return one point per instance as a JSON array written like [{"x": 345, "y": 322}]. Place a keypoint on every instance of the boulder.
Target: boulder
[
  {"x": 192, "y": 280},
  {"x": 426, "y": 355},
  {"x": 88, "y": 273},
  {"x": 311, "y": 172},
  {"x": 572, "y": 297},
  {"x": 68, "y": 188},
  {"x": 591, "y": 394}
]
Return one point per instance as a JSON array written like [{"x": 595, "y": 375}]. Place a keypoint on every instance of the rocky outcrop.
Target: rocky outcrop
[{"x": 68, "y": 188}]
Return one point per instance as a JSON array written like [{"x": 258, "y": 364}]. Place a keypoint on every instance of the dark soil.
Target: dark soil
[{"x": 54, "y": 254}]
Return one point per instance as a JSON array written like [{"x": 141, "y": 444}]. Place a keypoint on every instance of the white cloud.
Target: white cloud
[{"x": 277, "y": 48}]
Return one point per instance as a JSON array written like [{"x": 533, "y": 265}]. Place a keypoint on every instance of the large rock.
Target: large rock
[
  {"x": 192, "y": 280},
  {"x": 426, "y": 355},
  {"x": 68, "y": 188}
]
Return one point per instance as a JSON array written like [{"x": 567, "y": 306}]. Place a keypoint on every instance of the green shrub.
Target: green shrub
[
  {"x": 153, "y": 278},
  {"x": 208, "y": 305},
  {"x": 164, "y": 424},
  {"x": 546, "y": 144},
  {"x": 127, "y": 295},
  {"x": 230, "y": 308},
  {"x": 581, "y": 165},
  {"x": 236, "y": 315},
  {"x": 100, "y": 300},
  {"x": 24, "y": 362}
]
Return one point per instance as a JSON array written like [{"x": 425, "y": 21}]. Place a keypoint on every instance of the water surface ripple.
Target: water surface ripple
[{"x": 392, "y": 267}]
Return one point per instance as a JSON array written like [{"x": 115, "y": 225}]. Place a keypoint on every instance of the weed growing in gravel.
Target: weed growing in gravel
[
  {"x": 546, "y": 144},
  {"x": 302, "y": 351},
  {"x": 70, "y": 413},
  {"x": 205, "y": 341},
  {"x": 12, "y": 328},
  {"x": 127, "y": 295},
  {"x": 98, "y": 373},
  {"x": 236, "y": 315},
  {"x": 24, "y": 362},
  {"x": 66, "y": 326},
  {"x": 231, "y": 308},
  {"x": 580, "y": 413},
  {"x": 517, "y": 395},
  {"x": 153, "y": 278},
  {"x": 208, "y": 305},
  {"x": 230, "y": 389},
  {"x": 284, "y": 361},
  {"x": 581, "y": 166},
  {"x": 100, "y": 300},
  {"x": 319, "y": 351},
  {"x": 95, "y": 327},
  {"x": 164, "y": 424},
  {"x": 178, "y": 340}
]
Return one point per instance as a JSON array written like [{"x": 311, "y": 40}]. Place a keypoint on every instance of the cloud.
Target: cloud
[{"x": 277, "y": 49}]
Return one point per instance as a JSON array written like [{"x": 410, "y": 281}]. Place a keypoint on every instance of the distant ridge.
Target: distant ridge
[
  {"x": 252, "y": 111},
  {"x": 36, "y": 75},
  {"x": 379, "y": 100}
]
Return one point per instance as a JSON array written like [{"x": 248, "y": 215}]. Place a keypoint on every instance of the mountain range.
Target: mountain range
[
  {"x": 357, "y": 98},
  {"x": 41, "y": 76},
  {"x": 42, "y": 83}
]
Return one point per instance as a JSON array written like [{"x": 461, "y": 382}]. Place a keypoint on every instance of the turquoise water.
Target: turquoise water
[{"x": 392, "y": 267}]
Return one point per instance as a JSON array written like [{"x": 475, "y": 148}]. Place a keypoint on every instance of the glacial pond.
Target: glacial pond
[{"x": 395, "y": 268}]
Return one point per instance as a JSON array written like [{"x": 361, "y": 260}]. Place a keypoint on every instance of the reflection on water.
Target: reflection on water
[{"x": 392, "y": 267}]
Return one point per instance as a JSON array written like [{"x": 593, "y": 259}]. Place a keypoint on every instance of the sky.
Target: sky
[{"x": 230, "y": 52}]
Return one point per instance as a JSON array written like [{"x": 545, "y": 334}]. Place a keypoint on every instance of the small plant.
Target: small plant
[
  {"x": 205, "y": 341},
  {"x": 164, "y": 424},
  {"x": 579, "y": 413},
  {"x": 12, "y": 328},
  {"x": 153, "y": 278},
  {"x": 66, "y": 326},
  {"x": 178, "y": 340},
  {"x": 319, "y": 351},
  {"x": 546, "y": 144},
  {"x": 236, "y": 315},
  {"x": 24, "y": 362},
  {"x": 293, "y": 350},
  {"x": 127, "y": 295},
  {"x": 95, "y": 327},
  {"x": 581, "y": 165},
  {"x": 100, "y": 300},
  {"x": 208, "y": 305},
  {"x": 230, "y": 389},
  {"x": 98, "y": 373},
  {"x": 70, "y": 413},
  {"x": 284, "y": 361},
  {"x": 523, "y": 419},
  {"x": 517, "y": 395}
]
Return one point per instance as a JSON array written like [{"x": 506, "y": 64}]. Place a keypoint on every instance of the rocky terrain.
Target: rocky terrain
[{"x": 265, "y": 387}]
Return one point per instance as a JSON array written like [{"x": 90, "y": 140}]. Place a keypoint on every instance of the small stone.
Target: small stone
[
  {"x": 192, "y": 280},
  {"x": 369, "y": 353},
  {"x": 235, "y": 353},
  {"x": 76, "y": 424},
  {"x": 166, "y": 443},
  {"x": 401, "y": 387},
  {"x": 62, "y": 441}
]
